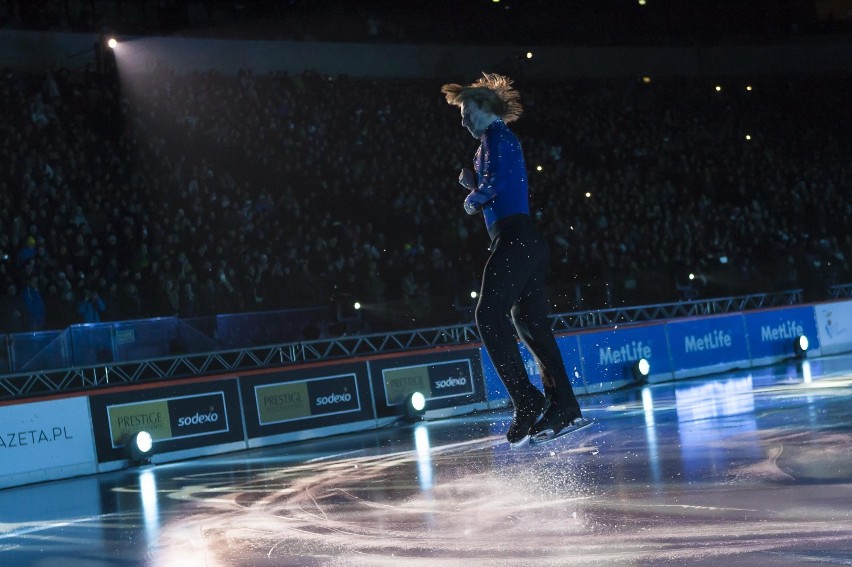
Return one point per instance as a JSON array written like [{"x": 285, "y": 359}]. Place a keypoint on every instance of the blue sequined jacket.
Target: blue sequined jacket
[{"x": 502, "y": 176}]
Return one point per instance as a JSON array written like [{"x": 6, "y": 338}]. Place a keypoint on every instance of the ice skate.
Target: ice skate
[
  {"x": 555, "y": 423},
  {"x": 527, "y": 411}
]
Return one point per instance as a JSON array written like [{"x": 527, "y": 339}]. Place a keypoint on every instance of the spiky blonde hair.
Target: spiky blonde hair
[{"x": 492, "y": 92}]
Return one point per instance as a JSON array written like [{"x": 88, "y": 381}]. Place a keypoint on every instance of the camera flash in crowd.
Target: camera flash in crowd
[{"x": 718, "y": 88}]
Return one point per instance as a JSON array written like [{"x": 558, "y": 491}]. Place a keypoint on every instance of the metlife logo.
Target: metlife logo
[
  {"x": 609, "y": 355},
  {"x": 771, "y": 333},
  {"x": 630, "y": 352},
  {"x": 715, "y": 342}
]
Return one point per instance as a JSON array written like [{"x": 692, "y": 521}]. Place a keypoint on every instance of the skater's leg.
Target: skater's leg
[
  {"x": 503, "y": 280},
  {"x": 533, "y": 325}
]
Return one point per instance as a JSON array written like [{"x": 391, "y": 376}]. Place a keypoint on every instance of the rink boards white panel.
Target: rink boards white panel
[
  {"x": 834, "y": 325},
  {"x": 45, "y": 441}
]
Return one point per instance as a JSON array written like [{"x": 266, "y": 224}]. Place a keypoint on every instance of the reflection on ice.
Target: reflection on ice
[{"x": 715, "y": 399}]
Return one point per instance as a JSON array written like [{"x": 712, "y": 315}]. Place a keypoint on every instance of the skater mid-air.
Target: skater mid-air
[{"x": 513, "y": 278}]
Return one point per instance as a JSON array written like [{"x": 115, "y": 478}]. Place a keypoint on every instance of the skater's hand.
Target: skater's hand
[
  {"x": 467, "y": 179},
  {"x": 472, "y": 205}
]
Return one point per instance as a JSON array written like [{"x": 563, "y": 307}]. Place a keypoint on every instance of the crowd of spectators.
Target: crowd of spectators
[{"x": 192, "y": 195}]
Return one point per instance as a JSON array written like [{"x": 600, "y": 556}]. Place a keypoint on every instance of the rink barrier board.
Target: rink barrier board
[
  {"x": 685, "y": 348},
  {"x": 834, "y": 326},
  {"x": 45, "y": 440},
  {"x": 86, "y": 441},
  {"x": 287, "y": 401},
  {"x": 182, "y": 418}
]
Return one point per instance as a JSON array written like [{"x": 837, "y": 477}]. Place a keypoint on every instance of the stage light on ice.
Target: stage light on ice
[
  {"x": 415, "y": 406},
  {"x": 112, "y": 43},
  {"x": 641, "y": 369},
  {"x": 801, "y": 345},
  {"x": 140, "y": 447}
]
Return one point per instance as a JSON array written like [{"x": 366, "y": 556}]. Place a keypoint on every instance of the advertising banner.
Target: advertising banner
[
  {"x": 44, "y": 441},
  {"x": 169, "y": 418},
  {"x": 297, "y": 400},
  {"x": 569, "y": 347},
  {"x": 608, "y": 356},
  {"x": 179, "y": 417},
  {"x": 707, "y": 345},
  {"x": 445, "y": 379},
  {"x": 834, "y": 326},
  {"x": 771, "y": 333}
]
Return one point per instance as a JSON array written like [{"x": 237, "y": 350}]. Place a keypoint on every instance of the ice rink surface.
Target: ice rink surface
[{"x": 744, "y": 468}]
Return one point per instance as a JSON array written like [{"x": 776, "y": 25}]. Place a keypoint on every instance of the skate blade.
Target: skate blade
[
  {"x": 549, "y": 435},
  {"x": 523, "y": 443}
]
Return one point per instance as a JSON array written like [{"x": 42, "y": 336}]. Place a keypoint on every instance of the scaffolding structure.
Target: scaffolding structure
[{"x": 39, "y": 383}]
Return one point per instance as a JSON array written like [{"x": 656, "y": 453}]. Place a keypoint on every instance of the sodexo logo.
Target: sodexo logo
[
  {"x": 334, "y": 399},
  {"x": 451, "y": 383},
  {"x": 198, "y": 419}
]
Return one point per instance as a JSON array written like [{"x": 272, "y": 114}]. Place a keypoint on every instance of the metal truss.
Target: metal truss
[
  {"x": 638, "y": 314},
  {"x": 840, "y": 291},
  {"x": 38, "y": 383}
]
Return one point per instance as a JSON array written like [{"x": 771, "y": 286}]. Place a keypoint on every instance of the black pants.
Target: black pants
[{"x": 513, "y": 294}]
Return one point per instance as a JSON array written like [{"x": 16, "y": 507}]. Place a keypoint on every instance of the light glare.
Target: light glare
[
  {"x": 112, "y": 43},
  {"x": 144, "y": 441},
  {"x": 418, "y": 401}
]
